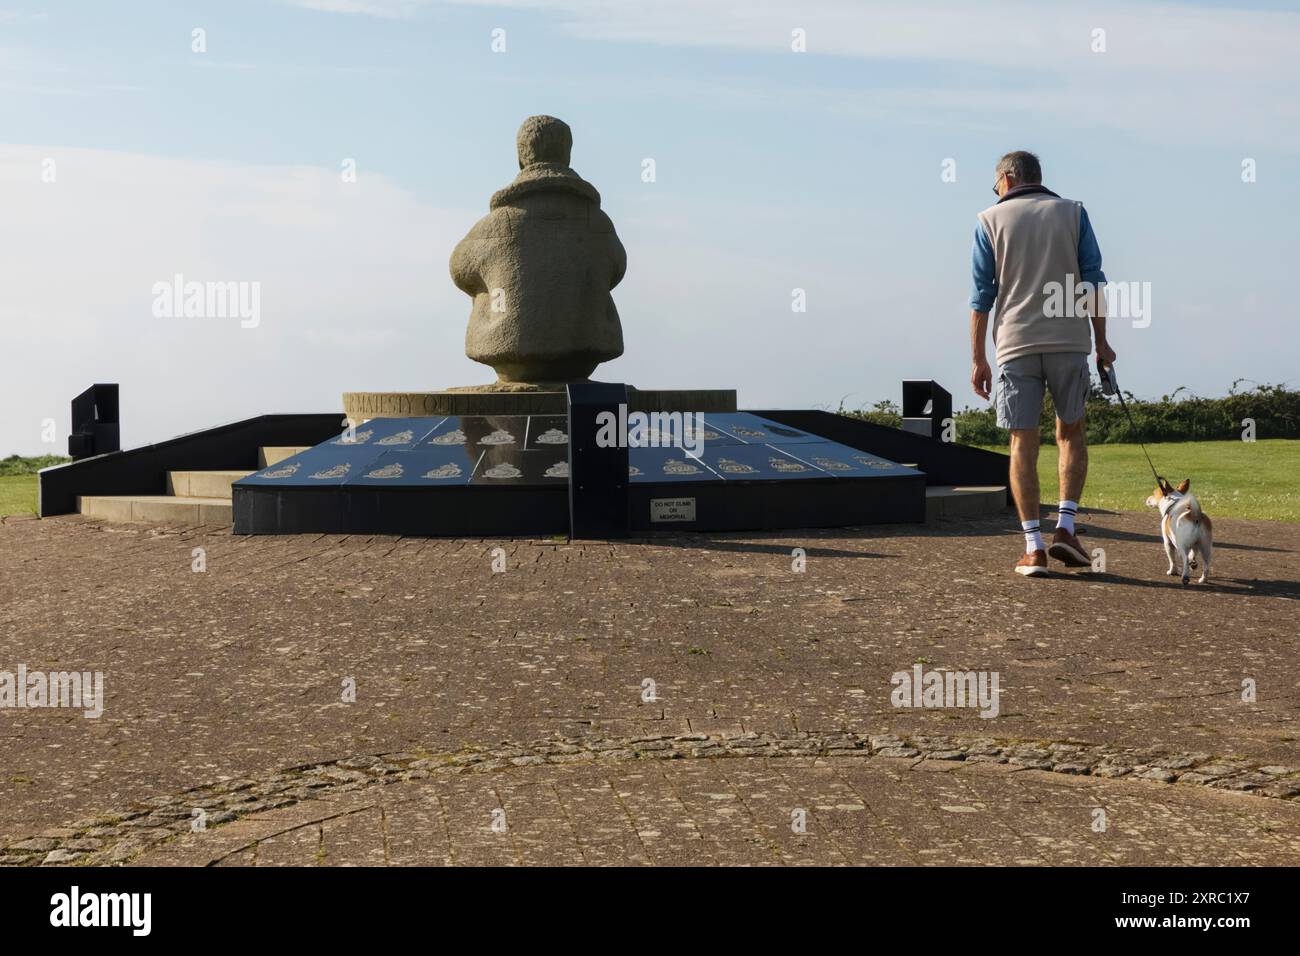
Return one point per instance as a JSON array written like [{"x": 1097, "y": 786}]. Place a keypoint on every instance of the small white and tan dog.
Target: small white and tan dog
[{"x": 1185, "y": 529}]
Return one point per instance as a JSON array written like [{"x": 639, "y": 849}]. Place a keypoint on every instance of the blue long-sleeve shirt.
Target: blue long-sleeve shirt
[{"x": 984, "y": 271}]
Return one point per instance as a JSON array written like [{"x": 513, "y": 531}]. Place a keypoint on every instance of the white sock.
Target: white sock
[
  {"x": 1033, "y": 537},
  {"x": 1065, "y": 515}
]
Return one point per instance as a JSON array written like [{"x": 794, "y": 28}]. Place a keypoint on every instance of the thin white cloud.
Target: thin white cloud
[
  {"x": 353, "y": 280},
  {"x": 387, "y": 9},
  {"x": 1170, "y": 73},
  {"x": 1022, "y": 35},
  {"x": 90, "y": 89},
  {"x": 22, "y": 16}
]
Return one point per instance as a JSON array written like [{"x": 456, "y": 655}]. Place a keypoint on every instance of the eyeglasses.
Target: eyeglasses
[{"x": 996, "y": 182}]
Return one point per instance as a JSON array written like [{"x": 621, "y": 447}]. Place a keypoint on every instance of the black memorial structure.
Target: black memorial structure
[
  {"x": 511, "y": 475},
  {"x": 598, "y": 461},
  {"x": 95, "y": 426},
  {"x": 927, "y": 405}
]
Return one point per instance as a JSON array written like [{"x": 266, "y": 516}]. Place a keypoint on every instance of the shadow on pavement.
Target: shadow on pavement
[
  {"x": 1245, "y": 587},
  {"x": 758, "y": 547}
]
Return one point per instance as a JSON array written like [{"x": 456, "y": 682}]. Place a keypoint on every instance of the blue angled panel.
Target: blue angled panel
[
  {"x": 841, "y": 461},
  {"x": 758, "y": 463},
  {"x": 504, "y": 467},
  {"x": 480, "y": 432},
  {"x": 324, "y": 465},
  {"x": 548, "y": 433},
  {"x": 752, "y": 429},
  {"x": 666, "y": 464},
  {"x": 388, "y": 433},
  {"x": 420, "y": 468}
]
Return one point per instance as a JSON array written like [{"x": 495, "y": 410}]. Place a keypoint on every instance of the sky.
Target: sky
[{"x": 851, "y": 169}]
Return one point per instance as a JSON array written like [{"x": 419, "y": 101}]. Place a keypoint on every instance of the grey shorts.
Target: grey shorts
[{"x": 1021, "y": 382}]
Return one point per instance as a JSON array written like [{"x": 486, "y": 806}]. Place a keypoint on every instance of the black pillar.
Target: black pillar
[
  {"x": 598, "y": 479},
  {"x": 95, "y": 427},
  {"x": 926, "y": 405}
]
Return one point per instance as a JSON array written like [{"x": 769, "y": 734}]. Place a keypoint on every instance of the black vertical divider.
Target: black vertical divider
[{"x": 598, "y": 478}]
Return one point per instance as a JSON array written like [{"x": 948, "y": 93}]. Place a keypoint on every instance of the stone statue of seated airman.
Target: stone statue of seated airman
[{"x": 539, "y": 267}]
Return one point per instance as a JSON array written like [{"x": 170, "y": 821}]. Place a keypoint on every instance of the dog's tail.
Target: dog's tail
[{"x": 1192, "y": 513}]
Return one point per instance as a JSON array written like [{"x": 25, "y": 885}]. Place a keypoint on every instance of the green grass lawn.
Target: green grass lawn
[
  {"x": 18, "y": 482},
  {"x": 17, "y": 494},
  {"x": 1232, "y": 479}
]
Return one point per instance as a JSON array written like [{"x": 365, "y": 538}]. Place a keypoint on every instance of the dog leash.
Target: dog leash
[{"x": 1110, "y": 387}]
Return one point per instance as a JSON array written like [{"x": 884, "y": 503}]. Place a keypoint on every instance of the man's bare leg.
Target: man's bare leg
[
  {"x": 1071, "y": 470},
  {"x": 1024, "y": 472},
  {"x": 1072, "y": 466},
  {"x": 1024, "y": 488}
]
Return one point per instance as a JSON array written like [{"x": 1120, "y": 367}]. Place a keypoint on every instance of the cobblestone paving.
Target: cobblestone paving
[
  {"x": 866, "y": 810},
  {"x": 121, "y": 835},
  {"x": 234, "y": 674}
]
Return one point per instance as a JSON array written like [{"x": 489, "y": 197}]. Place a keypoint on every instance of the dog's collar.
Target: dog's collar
[{"x": 1168, "y": 501}]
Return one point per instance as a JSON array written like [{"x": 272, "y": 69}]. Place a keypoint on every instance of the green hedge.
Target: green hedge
[
  {"x": 1181, "y": 416},
  {"x": 17, "y": 465}
]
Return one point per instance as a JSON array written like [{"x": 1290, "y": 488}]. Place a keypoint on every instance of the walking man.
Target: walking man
[{"x": 1036, "y": 257}]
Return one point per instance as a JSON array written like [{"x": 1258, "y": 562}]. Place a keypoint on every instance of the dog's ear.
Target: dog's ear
[{"x": 1186, "y": 483}]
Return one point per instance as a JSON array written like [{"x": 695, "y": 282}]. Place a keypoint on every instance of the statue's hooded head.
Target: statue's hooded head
[{"x": 544, "y": 139}]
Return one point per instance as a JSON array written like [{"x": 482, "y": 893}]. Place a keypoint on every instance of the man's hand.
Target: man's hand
[
  {"x": 981, "y": 377},
  {"x": 1105, "y": 354}
]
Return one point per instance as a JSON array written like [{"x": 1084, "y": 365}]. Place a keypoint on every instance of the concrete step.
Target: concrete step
[
  {"x": 157, "y": 509},
  {"x": 203, "y": 484},
  {"x": 274, "y": 454},
  {"x": 964, "y": 501}
]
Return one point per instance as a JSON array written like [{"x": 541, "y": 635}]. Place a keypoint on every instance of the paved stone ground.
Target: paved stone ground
[
  {"x": 873, "y": 811},
  {"x": 235, "y": 673}
]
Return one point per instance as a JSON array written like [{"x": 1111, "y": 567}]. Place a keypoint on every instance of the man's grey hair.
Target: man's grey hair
[{"x": 1022, "y": 166}]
